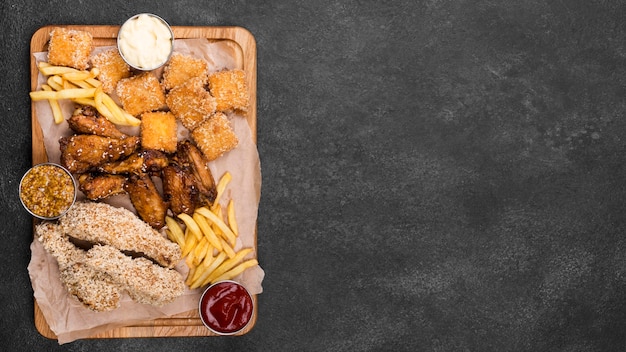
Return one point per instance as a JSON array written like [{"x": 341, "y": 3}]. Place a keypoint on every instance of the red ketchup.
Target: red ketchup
[{"x": 226, "y": 307}]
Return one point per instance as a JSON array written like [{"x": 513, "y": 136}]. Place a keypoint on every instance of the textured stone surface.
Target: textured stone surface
[{"x": 438, "y": 175}]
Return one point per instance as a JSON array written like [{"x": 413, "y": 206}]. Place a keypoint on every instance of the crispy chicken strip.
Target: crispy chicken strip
[
  {"x": 87, "y": 120},
  {"x": 92, "y": 288},
  {"x": 80, "y": 153},
  {"x": 100, "y": 186},
  {"x": 146, "y": 199},
  {"x": 102, "y": 223}
]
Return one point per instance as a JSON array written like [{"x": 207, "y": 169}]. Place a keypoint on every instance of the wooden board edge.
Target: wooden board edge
[{"x": 245, "y": 39}]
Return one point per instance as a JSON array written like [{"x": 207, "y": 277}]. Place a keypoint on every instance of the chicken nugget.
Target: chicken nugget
[
  {"x": 159, "y": 131},
  {"x": 230, "y": 90},
  {"x": 112, "y": 69},
  {"x": 215, "y": 136},
  {"x": 191, "y": 103},
  {"x": 141, "y": 93},
  {"x": 182, "y": 67},
  {"x": 70, "y": 47}
]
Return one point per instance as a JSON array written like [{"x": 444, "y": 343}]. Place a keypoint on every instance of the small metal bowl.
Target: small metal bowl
[
  {"x": 222, "y": 293},
  {"x": 138, "y": 40},
  {"x": 46, "y": 186}
]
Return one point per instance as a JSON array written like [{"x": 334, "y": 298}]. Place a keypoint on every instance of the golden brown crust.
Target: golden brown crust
[
  {"x": 191, "y": 103},
  {"x": 215, "y": 136},
  {"x": 141, "y": 93},
  {"x": 230, "y": 90},
  {"x": 70, "y": 47},
  {"x": 159, "y": 131},
  {"x": 182, "y": 67},
  {"x": 112, "y": 69}
]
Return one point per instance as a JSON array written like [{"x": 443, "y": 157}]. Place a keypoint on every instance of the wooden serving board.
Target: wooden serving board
[{"x": 244, "y": 48}]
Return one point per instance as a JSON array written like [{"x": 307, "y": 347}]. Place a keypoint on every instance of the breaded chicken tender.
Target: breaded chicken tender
[
  {"x": 70, "y": 47},
  {"x": 191, "y": 103},
  {"x": 215, "y": 136},
  {"x": 141, "y": 93},
  {"x": 182, "y": 67},
  {"x": 230, "y": 90},
  {"x": 112, "y": 69},
  {"x": 159, "y": 131}
]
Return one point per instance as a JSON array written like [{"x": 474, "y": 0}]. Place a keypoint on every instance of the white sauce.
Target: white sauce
[{"x": 145, "y": 42}]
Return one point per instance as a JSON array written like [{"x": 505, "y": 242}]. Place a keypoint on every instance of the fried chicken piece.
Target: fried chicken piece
[
  {"x": 230, "y": 90},
  {"x": 92, "y": 288},
  {"x": 215, "y": 136},
  {"x": 146, "y": 161},
  {"x": 70, "y": 47},
  {"x": 197, "y": 163},
  {"x": 100, "y": 186},
  {"x": 182, "y": 67},
  {"x": 179, "y": 189},
  {"x": 191, "y": 103},
  {"x": 144, "y": 281},
  {"x": 101, "y": 223},
  {"x": 146, "y": 199},
  {"x": 87, "y": 120},
  {"x": 159, "y": 131},
  {"x": 141, "y": 93},
  {"x": 80, "y": 153},
  {"x": 112, "y": 68}
]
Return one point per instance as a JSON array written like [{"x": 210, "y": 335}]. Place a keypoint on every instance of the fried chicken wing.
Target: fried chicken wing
[
  {"x": 179, "y": 189},
  {"x": 147, "y": 160},
  {"x": 80, "y": 153},
  {"x": 146, "y": 199},
  {"x": 191, "y": 157},
  {"x": 87, "y": 120},
  {"x": 100, "y": 186}
]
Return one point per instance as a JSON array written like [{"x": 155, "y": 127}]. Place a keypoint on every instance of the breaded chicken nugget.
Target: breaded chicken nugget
[
  {"x": 215, "y": 136},
  {"x": 112, "y": 69},
  {"x": 141, "y": 93},
  {"x": 159, "y": 131},
  {"x": 230, "y": 90},
  {"x": 70, "y": 47},
  {"x": 191, "y": 103},
  {"x": 182, "y": 67}
]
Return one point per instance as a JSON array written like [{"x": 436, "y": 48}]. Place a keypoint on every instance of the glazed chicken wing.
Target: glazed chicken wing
[
  {"x": 179, "y": 189},
  {"x": 146, "y": 199},
  {"x": 87, "y": 120},
  {"x": 101, "y": 186},
  {"x": 191, "y": 157},
  {"x": 80, "y": 153},
  {"x": 148, "y": 160}
]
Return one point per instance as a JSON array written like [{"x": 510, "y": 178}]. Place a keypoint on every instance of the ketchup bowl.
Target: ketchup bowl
[{"x": 226, "y": 307}]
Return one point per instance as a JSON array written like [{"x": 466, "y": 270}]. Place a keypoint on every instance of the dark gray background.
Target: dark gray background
[{"x": 437, "y": 175}]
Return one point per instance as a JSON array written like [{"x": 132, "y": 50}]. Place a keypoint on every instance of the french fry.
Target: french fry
[
  {"x": 221, "y": 186},
  {"x": 207, "y": 231},
  {"x": 176, "y": 230},
  {"x": 77, "y": 85},
  {"x": 206, "y": 272},
  {"x": 227, "y": 265},
  {"x": 54, "y": 105},
  {"x": 230, "y": 236},
  {"x": 237, "y": 270},
  {"x": 62, "y": 94},
  {"x": 190, "y": 242},
  {"x": 230, "y": 252},
  {"x": 232, "y": 221},
  {"x": 191, "y": 225},
  {"x": 48, "y": 70}
]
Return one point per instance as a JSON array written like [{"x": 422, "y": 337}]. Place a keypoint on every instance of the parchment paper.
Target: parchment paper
[{"x": 67, "y": 317}]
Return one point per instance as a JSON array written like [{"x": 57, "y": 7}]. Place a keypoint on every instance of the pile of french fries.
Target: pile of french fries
[
  {"x": 208, "y": 241},
  {"x": 81, "y": 87}
]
